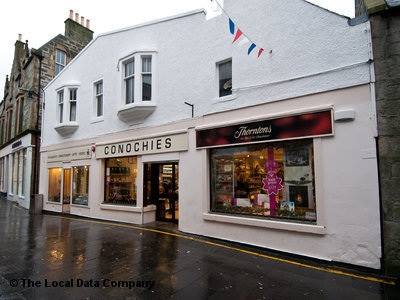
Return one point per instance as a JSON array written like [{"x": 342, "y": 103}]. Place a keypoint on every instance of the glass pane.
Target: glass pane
[
  {"x": 265, "y": 180},
  {"x": 225, "y": 78},
  {"x": 54, "y": 185},
  {"x": 129, "y": 68},
  {"x": 130, "y": 88},
  {"x": 58, "y": 68},
  {"x": 146, "y": 87},
  {"x": 60, "y": 96},
  {"x": 121, "y": 181},
  {"x": 61, "y": 112},
  {"x": 72, "y": 111},
  {"x": 80, "y": 185},
  {"x": 20, "y": 171},
  {"x": 99, "y": 105},
  {"x": 67, "y": 186},
  {"x": 72, "y": 94},
  {"x": 99, "y": 88},
  {"x": 146, "y": 64},
  {"x": 15, "y": 174}
]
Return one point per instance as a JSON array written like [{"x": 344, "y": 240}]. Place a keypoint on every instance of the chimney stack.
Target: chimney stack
[
  {"x": 19, "y": 37},
  {"x": 71, "y": 14},
  {"x": 83, "y": 21},
  {"x": 87, "y": 23},
  {"x": 76, "y": 17}
]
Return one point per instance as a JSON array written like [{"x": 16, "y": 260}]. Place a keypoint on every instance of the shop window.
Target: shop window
[
  {"x": 146, "y": 78},
  {"x": 72, "y": 104},
  {"x": 21, "y": 169},
  {"x": 129, "y": 78},
  {"x": 98, "y": 86},
  {"x": 2, "y": 174},
  {"x": 54, "y": 192},
  {"x": 14, "y": 187},
  {"x": 61, "y": 61},
  {"x": 270, "y": 180},
  {"x": 225, "y": 78},
  {"x": 80, "y": 185},
  {"x": 120, "y": 185}
]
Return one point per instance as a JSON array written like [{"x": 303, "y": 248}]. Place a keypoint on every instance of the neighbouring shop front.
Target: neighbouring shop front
[{"x": 265, "y": 169}]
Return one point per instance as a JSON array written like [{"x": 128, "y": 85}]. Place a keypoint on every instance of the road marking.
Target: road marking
[{"x": 270, "y": 257}]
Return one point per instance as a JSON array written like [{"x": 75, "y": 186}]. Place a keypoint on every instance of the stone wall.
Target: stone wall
[{"x": 385, "y": 28}]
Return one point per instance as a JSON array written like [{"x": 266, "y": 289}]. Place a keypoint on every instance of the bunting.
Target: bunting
[{"x": 239, "y": 37}]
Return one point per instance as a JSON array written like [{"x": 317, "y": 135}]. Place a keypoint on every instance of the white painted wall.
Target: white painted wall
[{"x": 306, "y": 40}]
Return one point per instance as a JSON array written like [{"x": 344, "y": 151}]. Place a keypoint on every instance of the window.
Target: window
[
  {"x": 146, "y": 78},
  {"x": 80, "y": 185},
  {"x": 21, "y": 169},
  {"x": 60, "y": 96},
  {"x": 14, "y": 187},
  {"x": 99, "y": 98},
  {"x": 225, "y": 78},
  {"x": 54, "y": 194},
  {"x": 274, "y": 180},
  {"x": 20, "y": 115},
  {"x": 121, "y": 181},
  {"x": 61, "y": 61},
  {"x": 9, "y": 123},
  {"x": 129, "y": 78},
  {"x": 72, "y": 105},
  {"x": 2, "y": 174}
]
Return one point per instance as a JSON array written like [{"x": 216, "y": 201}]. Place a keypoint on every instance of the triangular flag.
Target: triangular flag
[
  {"x": 243, "y": 41},
  {"x": 251, "y": 48},
  {"x": 260, "y": 52},
  {"x": 231, "y": 26},
  {"x": 238, "y": 35}
]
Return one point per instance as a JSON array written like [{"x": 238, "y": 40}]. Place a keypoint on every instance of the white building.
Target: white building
[{"x": 285, "y": 160}]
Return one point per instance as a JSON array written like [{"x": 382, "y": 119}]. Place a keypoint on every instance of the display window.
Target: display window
[
  {"x": 80, "y": 185},
  {"x": 54, "y": 194},
  {"x": 120, "y": 185},
  {"x": 268, "y": 180}
]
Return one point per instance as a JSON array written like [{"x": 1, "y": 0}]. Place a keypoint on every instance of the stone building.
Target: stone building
[
  {"x": 384, "y": 17},
  {"x": 20, "y": 109}
]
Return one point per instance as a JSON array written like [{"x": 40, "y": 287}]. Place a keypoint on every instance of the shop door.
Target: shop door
[
  {"x": 161, "y": 188},
  {"x": 66, "y": 191}
]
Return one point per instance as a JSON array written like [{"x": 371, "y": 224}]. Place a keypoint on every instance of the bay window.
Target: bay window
[
  {"x": 146, "y": 78},
  {"x": 129, "y": 78},
  {"x": 266, "y": 180}
]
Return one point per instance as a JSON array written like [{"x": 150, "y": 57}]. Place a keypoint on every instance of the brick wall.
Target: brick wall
[{"x": 386, "y": 46}]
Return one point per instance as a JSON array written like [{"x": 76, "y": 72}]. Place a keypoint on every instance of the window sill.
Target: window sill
[
  {"x": 80, "y": 206},
  {"x": 225, "y": 98},
  {"x": 66, "y": 128},
  {"x": 127, "y": 208},
  {"x": 280, "y": 225},
  {"x": 136, "y": 112},
  {"x": 97, "y": 120}
]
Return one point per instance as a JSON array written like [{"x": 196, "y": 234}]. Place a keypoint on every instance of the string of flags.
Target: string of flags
[{"x": 239, "y": 37}]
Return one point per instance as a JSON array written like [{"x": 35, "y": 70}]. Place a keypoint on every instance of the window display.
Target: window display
[
  {"x": 80, "y": 185},
  {"x": 267, "y": 180},
  {"x": 54, "y": 185},
  {"x": 121, "y": 181}
]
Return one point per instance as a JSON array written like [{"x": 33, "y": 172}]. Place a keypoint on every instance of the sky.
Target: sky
[{"x": 38, "y": 25}]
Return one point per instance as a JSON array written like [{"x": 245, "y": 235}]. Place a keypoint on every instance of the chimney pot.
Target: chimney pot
[
  {"x": 19, "y": 37},
  {"x": 71, "y": 14},
  {"x": 83, "y": 21},
  {"x": 77, "y": 17},
  {"x": 87, "y": 23}
]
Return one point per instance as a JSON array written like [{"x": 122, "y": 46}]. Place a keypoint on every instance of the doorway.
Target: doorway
[
  {"x": 66, "y": 191},
  {"x": 161, "y": 188}
]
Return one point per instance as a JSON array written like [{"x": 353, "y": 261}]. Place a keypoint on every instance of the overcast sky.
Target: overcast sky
[{"x": 39, "y": 21}]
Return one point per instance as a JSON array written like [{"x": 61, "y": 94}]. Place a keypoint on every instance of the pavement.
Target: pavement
[{"x": 61, "y": 257}]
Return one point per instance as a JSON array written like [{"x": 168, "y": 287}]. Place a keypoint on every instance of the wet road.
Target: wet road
[{"x": 37, "y": 252}]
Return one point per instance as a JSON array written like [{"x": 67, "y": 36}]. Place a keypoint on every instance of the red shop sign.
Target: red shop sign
[{"x": 314, "y": 124}]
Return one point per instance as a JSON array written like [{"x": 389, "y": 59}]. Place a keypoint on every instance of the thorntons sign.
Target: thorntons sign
[
  {"x": 161, "y": 144},
  {"x": 298, "y": 126}
]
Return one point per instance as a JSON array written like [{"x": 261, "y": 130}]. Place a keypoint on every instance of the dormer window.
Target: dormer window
[{"x": 129, "y": 78}]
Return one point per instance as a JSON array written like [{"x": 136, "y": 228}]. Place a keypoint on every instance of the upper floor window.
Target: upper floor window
[
  {"x": 61, "y": 60},
  {"x": 225, "y": 78},
  {"x": 72, "y": 104},
  {"x": 146, "y": 78},
  {"x": 98, "y": 86},
  {"x": 60, "y": 97},
  {"x": 129, "y": 78}
]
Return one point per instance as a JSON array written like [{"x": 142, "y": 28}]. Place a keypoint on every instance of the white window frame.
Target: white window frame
[
  {"x": 72, "y": 101},
  {"x": 60, "y": 106},
  {"x": 129, "y": 77},
  {"x": 96, "y": 99},
  {"x": 58, "y": 63},
  {"x": 143, "y": 73}
]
